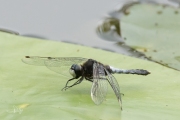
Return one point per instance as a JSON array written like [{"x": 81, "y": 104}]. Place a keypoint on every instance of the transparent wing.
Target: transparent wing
[
  {"x": 60, "y": 65},
  {"x": 115, "y": 86},
  {"x": 100, "y": 84}
]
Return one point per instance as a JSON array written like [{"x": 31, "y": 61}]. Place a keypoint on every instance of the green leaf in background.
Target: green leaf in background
[
  {"x": 155, "y": 31},
  {"x": 34, "y": 93}
]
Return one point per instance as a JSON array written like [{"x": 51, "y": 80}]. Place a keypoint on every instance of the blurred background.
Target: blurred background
[{"x": 90, "y": 23}]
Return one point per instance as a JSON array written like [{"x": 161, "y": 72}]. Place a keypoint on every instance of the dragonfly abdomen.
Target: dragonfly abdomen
[{"x": 131, "y": 71}]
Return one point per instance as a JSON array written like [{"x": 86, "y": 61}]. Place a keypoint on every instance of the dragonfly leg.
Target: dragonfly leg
[
  {"x": 89, "y": 79},
  {"x": 67, "y": 83},
  {"x": 77, "y": 82}
]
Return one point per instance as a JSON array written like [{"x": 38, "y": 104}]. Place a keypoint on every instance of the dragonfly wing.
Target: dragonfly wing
[
  {"x": 115, "y": 86},
  {"x": 100, "y": 84},
  {"x": 34, "y": 60},
  {"x": 60, "y": 65}
]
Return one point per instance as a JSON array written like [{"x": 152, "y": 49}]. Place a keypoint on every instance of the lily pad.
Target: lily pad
[
  {"x": 32, "y": 92},
  {"x": 154, "y": 31}
]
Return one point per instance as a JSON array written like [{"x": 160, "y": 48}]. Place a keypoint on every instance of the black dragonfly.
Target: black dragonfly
[{"x": 82, "y": 68}]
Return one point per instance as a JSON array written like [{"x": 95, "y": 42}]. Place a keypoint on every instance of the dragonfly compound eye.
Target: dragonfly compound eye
[{"x": 75, "y": 70}]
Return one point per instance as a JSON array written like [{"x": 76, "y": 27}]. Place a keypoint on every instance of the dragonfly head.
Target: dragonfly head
[{"x": 75, "y": 70}]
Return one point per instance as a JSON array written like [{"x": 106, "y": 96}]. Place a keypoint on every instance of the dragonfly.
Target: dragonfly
[{"x": 85, "y": 69}]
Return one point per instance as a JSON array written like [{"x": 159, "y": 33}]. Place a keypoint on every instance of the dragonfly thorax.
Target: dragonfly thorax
[{"x": 75, "y": 70}]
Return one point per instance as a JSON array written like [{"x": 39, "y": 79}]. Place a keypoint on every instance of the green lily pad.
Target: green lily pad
[
  {"x": 34, "y": 92},
  {"x": 154, "y": 31}
]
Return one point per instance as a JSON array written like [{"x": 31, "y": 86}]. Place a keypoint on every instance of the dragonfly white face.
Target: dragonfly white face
[{"x": 72, "y": 72}]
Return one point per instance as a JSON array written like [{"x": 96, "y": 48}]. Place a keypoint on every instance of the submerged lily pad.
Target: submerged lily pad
[
  {"x": 154, "y": 31},
  {"x": 32, "y": 92}
]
